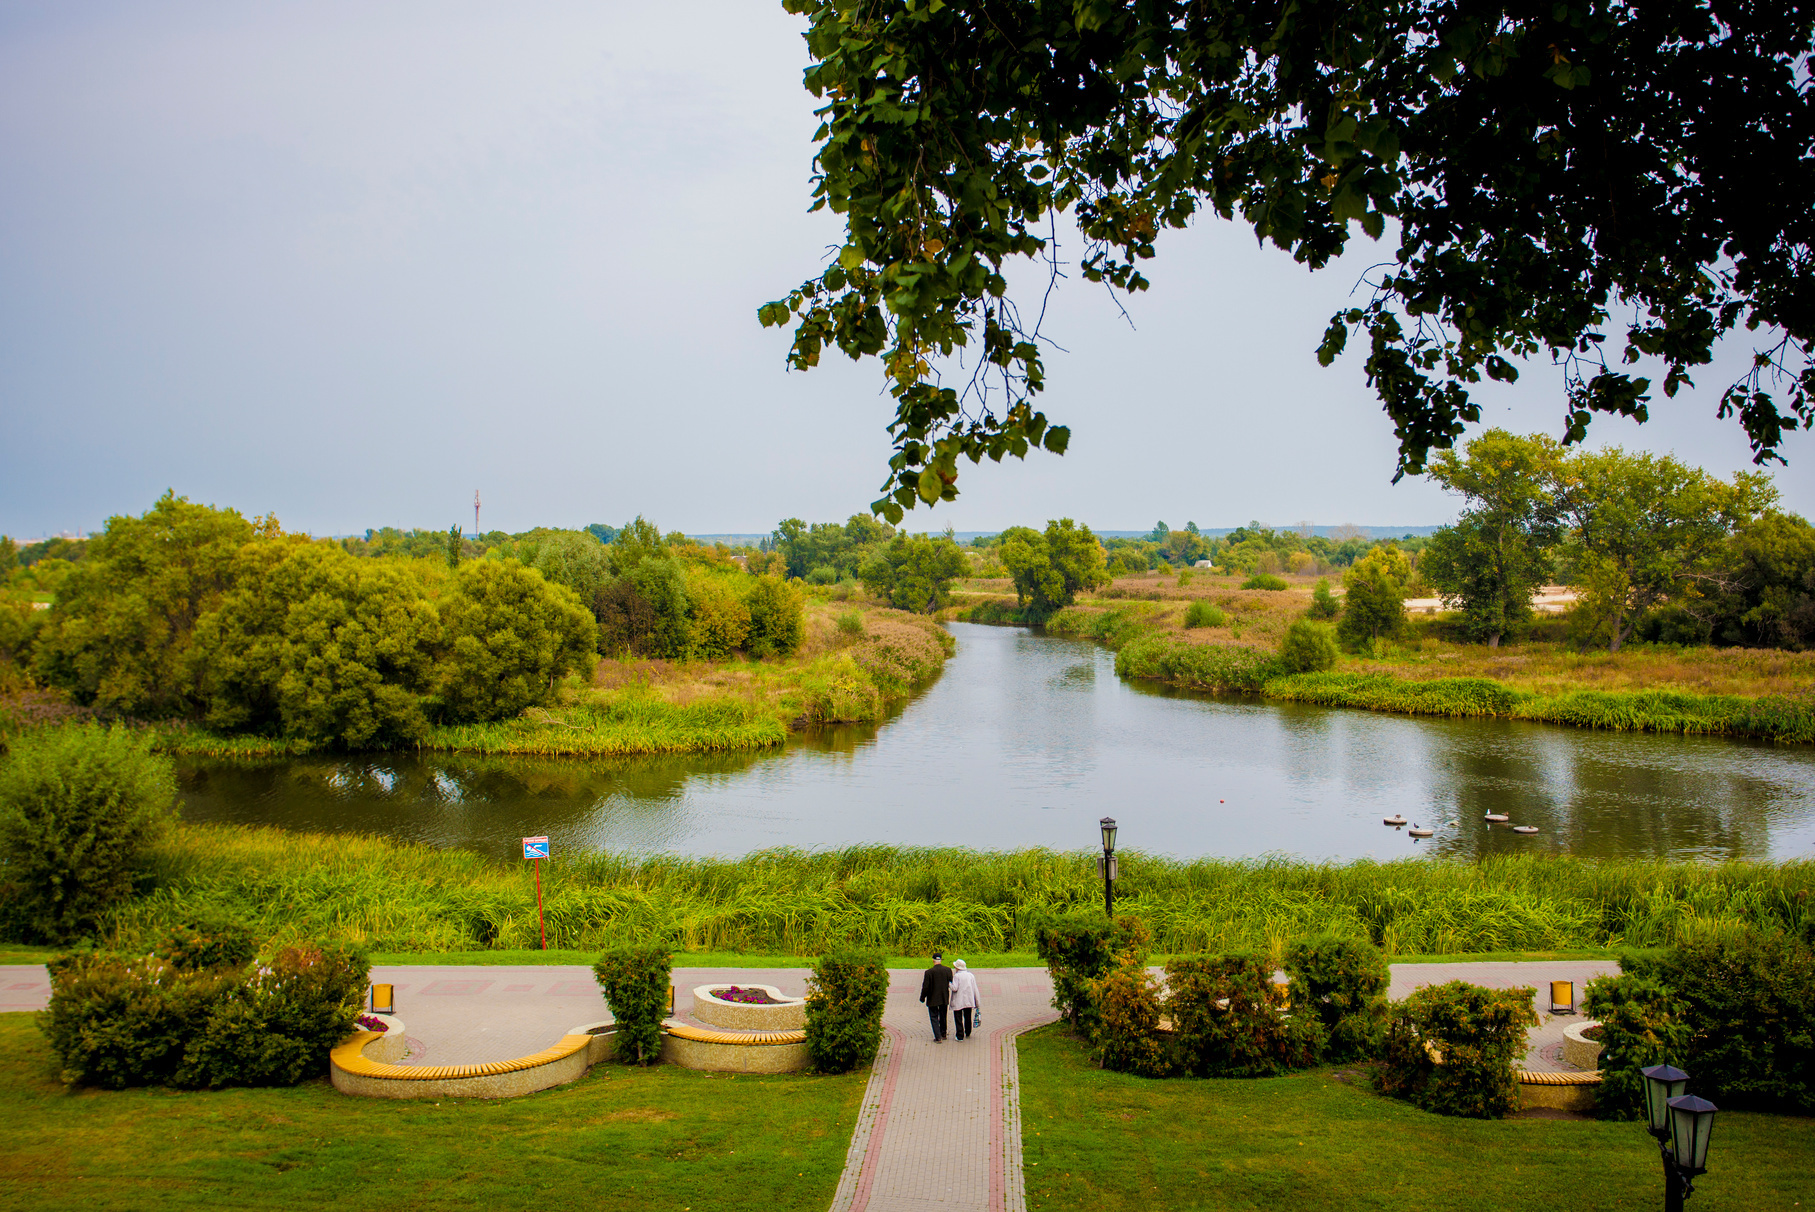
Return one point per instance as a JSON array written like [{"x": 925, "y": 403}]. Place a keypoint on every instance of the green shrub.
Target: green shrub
[
  {"x": 823, "y": 575},
  {"x": 635, "y": 983},
  {"x": 1127, "y": 1007},
  {"x": 1476, "y": 1035},
  {"x": 1344, "y": 980},
  {"x": 1217, "y": 667},
  {"x": 1323, "y": 603},
  {"x": 720, "y": 622},
  {"x": 277, "y": 1025},
  {"x": 78, "y": 805},
  {"x": 1202, "y": 614},
  {"x": 845, "y": 998},
  {"x": 1749, "y": 1000},
  {"x": 1264, "y": 580},
  {"x": 1642, "y": 1024},
  {"x": 117, "y": 1022},
  {"x": 776, "y": 627},
  {"x": 850, "y": 624},
  {"x": 1081, "y": 947},
  {"x": 1227, "y": 1019},
  {"x": 1308, "y": 647}
]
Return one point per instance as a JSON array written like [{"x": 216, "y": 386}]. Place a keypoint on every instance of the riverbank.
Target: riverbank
[
  {"x": 856, "y": 663},
  {"x": 399, "y": 897},
  {"x": 1762, "y": 694}
]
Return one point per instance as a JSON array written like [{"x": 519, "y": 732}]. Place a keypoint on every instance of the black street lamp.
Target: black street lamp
[
  {"x": 1106, "y": 865},
  {"x": 1681, "y": 1124}
]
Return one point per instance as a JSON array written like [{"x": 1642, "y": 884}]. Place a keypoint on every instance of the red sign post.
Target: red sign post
[{"x": 537, "y": 848}]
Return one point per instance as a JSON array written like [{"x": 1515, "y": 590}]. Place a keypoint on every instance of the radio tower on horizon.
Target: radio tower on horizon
[{"x": 476, "y": 530}]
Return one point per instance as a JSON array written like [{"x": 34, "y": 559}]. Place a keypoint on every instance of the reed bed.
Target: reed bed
[
  {"x": 1777, "y": 717},
  {"x": 401, "y": 897},
  {"x": 635, "y": 721}
]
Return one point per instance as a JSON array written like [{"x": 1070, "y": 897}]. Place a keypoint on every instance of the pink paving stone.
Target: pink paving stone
[
  {"x": 456, "y": 988},
  {"x": 518, "y": 988},
  {"x": 575, "y": 989}
]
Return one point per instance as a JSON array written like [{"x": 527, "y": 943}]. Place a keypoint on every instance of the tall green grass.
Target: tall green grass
[
  {"x": 1218, "y": 667},
  {"x": 400, "y": 897},
  {"x": 1778, "y": 718},
  {"x": 632, "y": 723}
]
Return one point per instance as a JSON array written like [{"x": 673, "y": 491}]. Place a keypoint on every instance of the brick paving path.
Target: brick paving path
[{"x": 940, "y": 1127}]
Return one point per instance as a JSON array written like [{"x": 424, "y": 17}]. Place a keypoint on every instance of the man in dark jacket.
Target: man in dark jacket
[{"x": 936, "y": 991}]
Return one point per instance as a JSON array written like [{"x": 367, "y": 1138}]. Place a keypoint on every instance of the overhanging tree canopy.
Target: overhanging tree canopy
[{"x": 1557, "y": 171}]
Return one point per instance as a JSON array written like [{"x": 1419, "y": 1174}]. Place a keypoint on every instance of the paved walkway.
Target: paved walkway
[{"x": 939, "y": 1129}]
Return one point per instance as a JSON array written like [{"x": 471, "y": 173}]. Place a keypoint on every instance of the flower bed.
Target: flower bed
[{"x": 775, "y": 1012}]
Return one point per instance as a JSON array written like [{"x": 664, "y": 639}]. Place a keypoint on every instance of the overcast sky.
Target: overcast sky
[{"x": 349, "y": 262}]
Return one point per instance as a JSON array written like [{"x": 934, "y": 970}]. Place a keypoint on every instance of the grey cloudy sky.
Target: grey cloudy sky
[{"x": 347, "y": 262}]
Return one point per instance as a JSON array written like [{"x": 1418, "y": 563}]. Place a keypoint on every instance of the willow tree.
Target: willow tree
[{"x": 1555, "y": 171}]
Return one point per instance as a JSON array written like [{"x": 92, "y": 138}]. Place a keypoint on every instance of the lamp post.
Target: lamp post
[
  {"x": 1681, "y": 1124},
  {"x": 1106, "y": 864}
]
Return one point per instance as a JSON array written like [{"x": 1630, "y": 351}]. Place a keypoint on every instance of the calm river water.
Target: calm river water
[{"x": 1026, "y": 740}]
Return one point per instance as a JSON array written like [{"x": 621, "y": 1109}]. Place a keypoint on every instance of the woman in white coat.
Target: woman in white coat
[{"x": 964, "y": 999}]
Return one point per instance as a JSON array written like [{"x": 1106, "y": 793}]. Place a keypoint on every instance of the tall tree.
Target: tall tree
[
  {"x": 119, "y": 632},
  {"x": 1539, "y": 161},
  {"x": 1769, "y": 598},
  {"x": 1489, "y": 563},
  {"x": 1373, "y": 604},
  {"x": 1050, "y": 569},
  {"x": 512, "y": 636},
  {"x": 914, "y": 572},
  {"x": 1645, "y": 528}
]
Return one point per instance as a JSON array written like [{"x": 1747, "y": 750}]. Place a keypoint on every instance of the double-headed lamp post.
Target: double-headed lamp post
[
  {"x": 1107, "y": 864},
  {"x": 1681, "y": 1124}
]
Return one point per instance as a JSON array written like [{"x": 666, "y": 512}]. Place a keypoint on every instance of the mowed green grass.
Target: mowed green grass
[
  {"x": 1108, "y": 1142},
  {"x": 619, "y": 1138}
]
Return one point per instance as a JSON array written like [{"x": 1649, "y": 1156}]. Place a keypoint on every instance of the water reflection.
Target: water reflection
[{"x": 1027, "y": 739}]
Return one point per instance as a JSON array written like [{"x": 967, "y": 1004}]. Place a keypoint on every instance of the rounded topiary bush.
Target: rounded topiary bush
[
  {"x": 1308, "y": 647},
  {"x": 845, "y": 999}
]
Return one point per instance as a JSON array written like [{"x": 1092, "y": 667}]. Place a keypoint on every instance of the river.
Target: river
[{"x": 1026, "y": 740}]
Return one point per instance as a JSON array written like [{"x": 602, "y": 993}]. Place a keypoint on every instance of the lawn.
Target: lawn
[
  {"x": 635, "y": 1139},
  {"x": 1322, "y": 1139}
]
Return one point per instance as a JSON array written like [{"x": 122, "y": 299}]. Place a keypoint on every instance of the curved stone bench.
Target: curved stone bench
[
  {"x": 1559, "y": 1091},
  {"x": 694, "y": 1047},
  {"x": 361, "y": 1066}
]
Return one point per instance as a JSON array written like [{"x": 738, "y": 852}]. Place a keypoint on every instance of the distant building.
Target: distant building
[{"x": 1203, "y": 564}]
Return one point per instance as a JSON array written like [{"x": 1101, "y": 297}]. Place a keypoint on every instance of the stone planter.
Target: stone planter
[
  {"x": 789, "y": 1015},
  {"x": 1578, "y": 1049}
]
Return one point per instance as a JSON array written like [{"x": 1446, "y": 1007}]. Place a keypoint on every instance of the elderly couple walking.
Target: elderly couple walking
[{"x": 953, "y": 987}]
